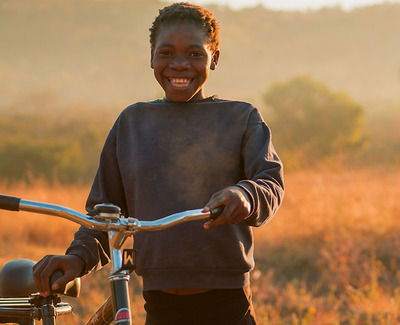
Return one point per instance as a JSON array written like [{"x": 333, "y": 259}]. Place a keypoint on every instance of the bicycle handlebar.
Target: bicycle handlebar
[
  {"x": 125, "y": 225},
  {"x": 9, "y": 202}
]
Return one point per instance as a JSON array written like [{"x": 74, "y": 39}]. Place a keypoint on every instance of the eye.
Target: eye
[
  {"x": 196, "y": 54},
  {"x": 165, "y": 52}
]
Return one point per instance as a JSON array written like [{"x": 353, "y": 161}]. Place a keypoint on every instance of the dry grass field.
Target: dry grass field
[{"x": 330, "y": 256}]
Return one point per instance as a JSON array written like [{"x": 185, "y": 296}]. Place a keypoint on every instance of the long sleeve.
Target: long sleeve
[
  {"x": 92, "y": 245},
  {"x": 263, "y": 171}
]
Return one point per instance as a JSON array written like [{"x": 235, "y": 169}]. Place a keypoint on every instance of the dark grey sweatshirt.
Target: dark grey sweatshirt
[{"x": 161, "y": 158}]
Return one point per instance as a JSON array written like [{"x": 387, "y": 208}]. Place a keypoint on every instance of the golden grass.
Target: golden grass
[
  {"x": 330, "y": 256},
  {"x": 27, "y": 235}
]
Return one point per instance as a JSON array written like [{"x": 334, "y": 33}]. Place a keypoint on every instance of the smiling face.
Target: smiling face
[{"x": 181, "y": 60}]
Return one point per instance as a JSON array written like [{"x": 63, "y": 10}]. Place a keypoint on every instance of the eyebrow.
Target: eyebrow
[{"x": 170, "y": 45}]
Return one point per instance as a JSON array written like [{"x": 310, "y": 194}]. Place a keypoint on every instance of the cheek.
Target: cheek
[
  {"x": 157, "y": 64},
  {"x": 157, "y": 69}
]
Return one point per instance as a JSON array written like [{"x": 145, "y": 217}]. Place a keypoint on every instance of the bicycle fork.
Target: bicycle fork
[
  {"x": 119, "y": 280},
  {"x": 121, "y": 266},
  {"x": 117, "y": 307},
  {"x": 120, "y": 297}
]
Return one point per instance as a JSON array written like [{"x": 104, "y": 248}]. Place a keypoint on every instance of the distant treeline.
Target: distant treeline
[
  {"x": 98, "y": 51},
  {"x": 63, "y": 62},
  {"x": 312, "y": 125},
  {"x": 52, "y": 143}
]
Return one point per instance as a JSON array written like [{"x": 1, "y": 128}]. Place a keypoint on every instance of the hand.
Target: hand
[
  {"x": 237, "y": 206},
  {"x": 70, "y": 265}
]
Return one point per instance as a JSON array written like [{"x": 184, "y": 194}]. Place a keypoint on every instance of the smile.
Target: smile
[{"x": 180, "y": 82}]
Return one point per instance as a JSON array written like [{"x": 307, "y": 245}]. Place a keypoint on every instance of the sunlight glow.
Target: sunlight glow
[{"x": 295, "y": 4}]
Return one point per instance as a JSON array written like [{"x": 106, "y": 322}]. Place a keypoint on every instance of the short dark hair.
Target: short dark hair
[{"x": 187, "y": 12}]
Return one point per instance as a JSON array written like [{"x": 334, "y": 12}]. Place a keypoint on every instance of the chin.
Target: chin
[
  {"x": 183, "y": 96},
  {"x": 180, "y": 98}
]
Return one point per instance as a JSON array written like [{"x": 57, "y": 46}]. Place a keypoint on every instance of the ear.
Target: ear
[
  {"x": 151, "y": 58},
  {"x": 214, "y": 60}
]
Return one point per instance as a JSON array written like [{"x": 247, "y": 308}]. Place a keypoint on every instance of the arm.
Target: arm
[
  {"x": 89, "y": 249},
  {"x": 256, "y": 198},
  {"x": 263, "y": 171},
  {"x": 92, "y": 245}
]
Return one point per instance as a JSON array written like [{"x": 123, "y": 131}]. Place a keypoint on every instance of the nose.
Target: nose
[{"x": 180, "y": 62}]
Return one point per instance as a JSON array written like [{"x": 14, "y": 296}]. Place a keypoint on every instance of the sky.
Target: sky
[{"x": 296, "y": 4}]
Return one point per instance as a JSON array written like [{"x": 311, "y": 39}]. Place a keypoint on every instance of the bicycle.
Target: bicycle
[{"x": 31, "y": 306}]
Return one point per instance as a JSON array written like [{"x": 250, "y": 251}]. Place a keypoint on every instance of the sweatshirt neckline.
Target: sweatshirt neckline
[{"x": 204, "y": 100}]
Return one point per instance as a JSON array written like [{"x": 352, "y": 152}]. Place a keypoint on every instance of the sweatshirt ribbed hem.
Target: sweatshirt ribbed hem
[{"x": 162, "y": 279}]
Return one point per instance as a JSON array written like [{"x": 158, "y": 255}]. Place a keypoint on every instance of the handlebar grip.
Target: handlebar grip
[
  {"x": 214, "y": 213},
  {"x": 9, "y": 202}
]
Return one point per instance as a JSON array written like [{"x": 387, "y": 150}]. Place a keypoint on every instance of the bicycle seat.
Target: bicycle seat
[{"x": 16, "y": 280}]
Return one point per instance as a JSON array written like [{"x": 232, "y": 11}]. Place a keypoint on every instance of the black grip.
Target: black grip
[
  {"x": 53, "y": 278},
  {"x": 9, "y": 202},
  {"x": 214, "y": 213}
]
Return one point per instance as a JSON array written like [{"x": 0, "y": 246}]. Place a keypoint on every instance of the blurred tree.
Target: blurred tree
[
  {"x": 54, "y": 144},
  {"x": 309, "y": 118}
]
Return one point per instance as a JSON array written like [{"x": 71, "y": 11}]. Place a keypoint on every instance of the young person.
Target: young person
[{"x": 183, "y": 152}]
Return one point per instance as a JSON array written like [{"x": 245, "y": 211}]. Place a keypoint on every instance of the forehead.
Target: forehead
[{"x": 181, "y": 32}]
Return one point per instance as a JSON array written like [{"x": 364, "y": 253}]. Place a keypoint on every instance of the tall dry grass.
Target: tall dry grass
[
  {"x": 332, "y": 253},
  {"x": 30, "y": 235},
  {"x": 330, "y": 256}
]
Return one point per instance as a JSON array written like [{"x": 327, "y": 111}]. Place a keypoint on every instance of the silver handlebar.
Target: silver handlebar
[
  {"x": 108, "y": 218},
  {"x": 125, "y": 225}
]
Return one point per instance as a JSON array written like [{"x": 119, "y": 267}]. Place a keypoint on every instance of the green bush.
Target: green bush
[
  {"x": 311, "y": 120},
  {"x": 62, "y": 146}
]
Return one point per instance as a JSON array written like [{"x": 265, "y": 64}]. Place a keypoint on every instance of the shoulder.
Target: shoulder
[
  {"x": 131, "y": 114},
  {"x": 136, "y": 107},
  {"x": 238, "y": 106},
  {"x": 242, "y": 108},
  {"x": 234, "y": 103},
  {"x": 233, "y": 107}
]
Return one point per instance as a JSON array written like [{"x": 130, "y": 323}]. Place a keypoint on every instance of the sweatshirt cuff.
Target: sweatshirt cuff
[
  {"x": 79, "y": 252},
  {"x": 250, "y": 199}
]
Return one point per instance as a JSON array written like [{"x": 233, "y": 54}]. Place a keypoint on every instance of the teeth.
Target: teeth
[{"x": 180, "y": 82}]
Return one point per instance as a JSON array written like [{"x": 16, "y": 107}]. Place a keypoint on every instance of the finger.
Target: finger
[
  {"x": 62, "y": 281},
  {"x": 240, "y": 214},
  {"x": 216, "y": 200},
  {"x": 223, "y": 218},
  {"x": 213, "y": 204},
  {"x": 45, "y": 281},
  {"x": 231, "y": 215},
  {"x": 214, "y": 223},
  {"x": 38, "y": 270},
  {"x": 52, "y": 266},
  {"x": 214, "y": 213}
]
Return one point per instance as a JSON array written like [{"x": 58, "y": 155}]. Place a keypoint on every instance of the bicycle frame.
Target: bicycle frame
[{"x": 108, "y": 218}]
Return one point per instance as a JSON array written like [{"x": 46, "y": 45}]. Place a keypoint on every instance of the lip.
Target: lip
[{"x": 180, "y": 82}]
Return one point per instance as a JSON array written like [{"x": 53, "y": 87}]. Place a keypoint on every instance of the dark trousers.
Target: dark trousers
[{"x": 215, "y": 307}]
